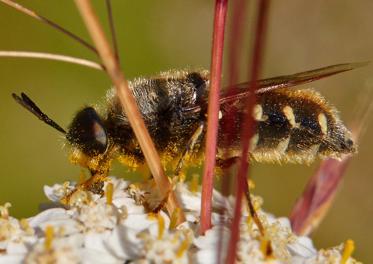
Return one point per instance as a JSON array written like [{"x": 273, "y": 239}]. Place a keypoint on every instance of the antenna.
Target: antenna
[{"x": 27, "y": 103}]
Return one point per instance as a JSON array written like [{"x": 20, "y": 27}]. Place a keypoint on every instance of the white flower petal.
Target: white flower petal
[
  {"x": 49, "y": 192},
  {"x": 57, "y": 191},
  {"x": 96, "y": 241},
  {"x": 138, "y": 222},
  {"x": 96, "y": 232},
  {"x": 154, "y": 228},
  {"x": 212, "y": 237},
  {"x": 89, "y": 256},
  {"x": 48, "y": 215},
  {"x": 124, "y": 243},
  {"x": 302, "y": 247},
  {"x": 189, "y": 201},
  {"x": 208, "y": 245},
  {"x": 130, "y": 204},
  {"x": 11, "y": 259},
  {"x": 14, "y": 248}
]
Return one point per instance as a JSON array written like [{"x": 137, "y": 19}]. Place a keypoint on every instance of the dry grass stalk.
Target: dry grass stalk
[
  {"x": 112, "y": 30},
  {"x": 50, "y": 56},
  {"x": 129, "y": 104},
  {"x": 45, "y": 20}
]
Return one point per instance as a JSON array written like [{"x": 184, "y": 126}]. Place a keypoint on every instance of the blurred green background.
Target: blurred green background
[{"x": 160, "y": 35}]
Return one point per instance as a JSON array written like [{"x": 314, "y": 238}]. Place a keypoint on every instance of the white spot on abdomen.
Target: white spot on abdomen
[
  {"x": 289, "y": 114},
  {"x": 323, "y": 122}
]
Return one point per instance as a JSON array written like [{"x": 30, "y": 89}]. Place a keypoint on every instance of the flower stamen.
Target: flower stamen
[
  {"x": 348, "y": 249},
  {"x": 194, "y": 183},
  {"x": 4, "y": 212},
  {"x": 183, "y": 248},
  {"x": 109, "y": 193},
  {"x": 182, "y": 176},
  {"x": 161, "y": 226},
  {"x": 174, "y": 218},
  {"x": 251, "y": 184},
  {"x": 26, "y": 226},
  {"x": 49, "y": 236}
]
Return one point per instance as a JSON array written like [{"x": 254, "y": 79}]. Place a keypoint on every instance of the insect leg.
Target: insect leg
[
  {"x": 190, "y": 147},
  {"x": 99, "y": 174},
  {"x": 226, "y": 164},
  {"x": 257, "y": 221},
  {"x": 252, "y": 211},
  {"x": 94, "y": 184}
]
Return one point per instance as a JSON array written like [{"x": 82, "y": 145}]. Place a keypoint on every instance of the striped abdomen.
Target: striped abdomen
[{"x": 292, "y": 126}]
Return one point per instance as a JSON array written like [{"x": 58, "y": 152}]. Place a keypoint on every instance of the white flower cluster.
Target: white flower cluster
[{"x": 117, "y": 229}]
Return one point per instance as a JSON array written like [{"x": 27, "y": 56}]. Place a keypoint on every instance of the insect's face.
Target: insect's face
[{"x": 87, "y": 132}]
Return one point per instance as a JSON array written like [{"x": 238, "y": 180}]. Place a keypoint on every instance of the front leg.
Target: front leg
[
  {"x": 99, "y": 167},
  {"x": 94, "y": 184},
  {"x": 197, "y": 136}
]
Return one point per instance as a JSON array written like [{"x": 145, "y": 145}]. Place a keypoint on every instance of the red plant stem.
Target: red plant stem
[
  {"x": 248, "y": 128},
  {"x": 318, "y": 195},
  {"x": 213, "y": 113},
  {"x": 235, "y": 46},
  {"x": 235, "y": 41}
]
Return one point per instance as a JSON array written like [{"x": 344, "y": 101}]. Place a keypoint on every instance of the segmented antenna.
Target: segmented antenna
[{"x": 27, "y": 103}]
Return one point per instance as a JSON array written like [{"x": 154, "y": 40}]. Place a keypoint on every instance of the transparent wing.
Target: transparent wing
[{"x": 285, "y": 81}]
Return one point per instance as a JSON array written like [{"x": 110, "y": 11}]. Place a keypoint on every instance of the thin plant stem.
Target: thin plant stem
[
  {"x": 248, "y": 128},
  {"x": 213, "y": 113},
  {"x": 318, "y": 196},
  {"x": 235, "y": 45},
  {"x": 235, "y": 40},
  {"x": 50, "y": 56},
  {"x": 45, "y": 20},
  {"x": 112, "y": 30},
  {"x": 129, "y": 105}
]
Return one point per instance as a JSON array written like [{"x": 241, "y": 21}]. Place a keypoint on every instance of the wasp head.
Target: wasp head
[{"x": 87, "y": 132}]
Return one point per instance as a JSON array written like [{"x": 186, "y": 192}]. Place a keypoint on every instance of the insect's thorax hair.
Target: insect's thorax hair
[{"x": 161, "y": 101}]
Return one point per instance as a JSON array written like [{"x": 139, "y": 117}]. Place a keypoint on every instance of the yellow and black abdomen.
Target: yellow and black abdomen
[{"x": 292, "y": 126}]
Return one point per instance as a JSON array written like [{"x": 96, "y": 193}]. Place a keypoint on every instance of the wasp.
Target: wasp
[{"x": 293, "y": 125}]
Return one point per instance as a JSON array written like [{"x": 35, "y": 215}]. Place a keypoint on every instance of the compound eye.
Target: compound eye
[
  {"x": 87, "y": 132},
  {"x": 199, "y": 84}
]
